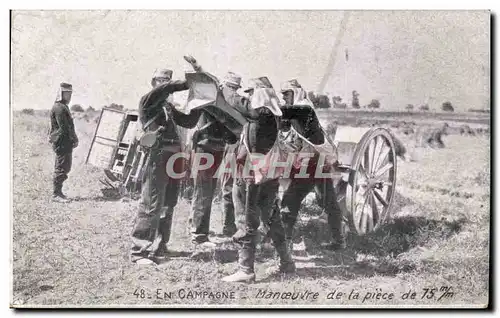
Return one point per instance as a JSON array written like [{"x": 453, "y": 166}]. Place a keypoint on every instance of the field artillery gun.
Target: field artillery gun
[
  {"x": 367, "y": 181},
  {"x": 366, "y": 173}
]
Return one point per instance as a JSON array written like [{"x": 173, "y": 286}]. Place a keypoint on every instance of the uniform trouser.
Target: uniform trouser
[
  {"x": 260, "y": 202},
  {"x": 227, "y": 195},
  {"x": 228, "y": 206},
  {"x": 159, "y": 193},
  {"x": 205, "y": 183},
  {"x": 297, "y": 191},
  {"x": 62, "y": 167}
]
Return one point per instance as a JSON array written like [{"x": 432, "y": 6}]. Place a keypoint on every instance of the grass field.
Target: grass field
[{"x": 76, "y": 254}]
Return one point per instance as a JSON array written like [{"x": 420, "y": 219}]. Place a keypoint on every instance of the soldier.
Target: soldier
[
  {"x": 229, "y": 88},
  {"x": 299, "y": 115},
  {"x": 63, "y": 139},
  {"x": 254, "y": 202},
  {"x": 465, "y": 130},
  {"x": 211, "y": 137},
  {"x": 159, "y": 192},
  {"x": 432, "y": 137}
]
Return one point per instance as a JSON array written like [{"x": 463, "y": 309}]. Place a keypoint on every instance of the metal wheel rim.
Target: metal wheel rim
[{"x": 372, "y": 182}]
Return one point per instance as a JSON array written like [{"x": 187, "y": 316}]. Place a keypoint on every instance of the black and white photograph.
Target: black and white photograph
[{"x": 250, "y": 158}]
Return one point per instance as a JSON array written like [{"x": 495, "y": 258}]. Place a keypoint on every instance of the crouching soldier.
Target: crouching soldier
[
  {"x": 301, "y": 121},
  {"x": 63, "y": 139},
  {"x": 254, "y": 202},
  {"x": 432, "y": 137},
  {"x": 151, "y": 231}
]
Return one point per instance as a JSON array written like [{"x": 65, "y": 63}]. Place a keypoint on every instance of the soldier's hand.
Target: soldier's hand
[
  {"x": 190, "y": 59},
  {"x": 169, "y": 107}
]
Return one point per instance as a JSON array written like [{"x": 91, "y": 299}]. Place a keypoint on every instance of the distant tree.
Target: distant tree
[
  {"x": 409, "y": 107},
  {"x": 337, "y": 102},
  {"x": 77, "y": 108},
  {"x": 447, "y": 107},
  {"x": 313, "y": 98},
  {"x": 374, "y": 104},
  {"x": 28, "y": 111},
  {"x": 323, "y": 101},
  {"x": 116, "y": 106},
  {"x": 90, "y": 109},
  {"x": 424, "y": 107},
  {"x": 473, "y": 110}
]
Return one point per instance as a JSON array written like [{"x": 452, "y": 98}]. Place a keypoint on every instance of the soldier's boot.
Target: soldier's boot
[
  {"x": 287, "y": 265},
  {"x": 57, "y": 195},
  {"x": 229, "y": 228},
  {"x": 145, "y": 261},
  {"x": 165, "y": 230},
  {"x": 337, "y": 243},
  {"x": 59, "y": 199},
  {"x": 245, "y": 273}
]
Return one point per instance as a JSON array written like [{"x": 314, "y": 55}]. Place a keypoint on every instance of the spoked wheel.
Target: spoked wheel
[{"x": 372, "y": 181}]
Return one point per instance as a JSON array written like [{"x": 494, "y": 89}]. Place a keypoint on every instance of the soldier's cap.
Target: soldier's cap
[
  {"x": 233, "y": 79},
  {"x": 258, "y": 82},
  {"x": 290, "y": 85},
  {"x": 162, "y": 72},
  {"x": 65, "y": 87}
]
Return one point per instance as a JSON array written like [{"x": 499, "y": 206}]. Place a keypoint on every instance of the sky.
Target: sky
[{"x": 398, "y": 57}]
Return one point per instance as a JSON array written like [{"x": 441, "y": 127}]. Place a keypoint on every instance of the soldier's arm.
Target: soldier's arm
[
  {"x": 296, "y": 112},
  {"x": 161, "y": 92},
  {"x": 62, "y": 118},
  {"x": 229, "y": 137},
  {"x": 153, "y": 101},
  {"x": 184, "y": 120},
  {"x": 243, "y": 105}
]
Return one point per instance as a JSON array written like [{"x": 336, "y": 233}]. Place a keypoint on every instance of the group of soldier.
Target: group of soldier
[{"x": 248, "y": 205}]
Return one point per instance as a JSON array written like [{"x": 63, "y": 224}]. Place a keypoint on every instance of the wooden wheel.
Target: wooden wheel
[{"x": 372, "y": 181}]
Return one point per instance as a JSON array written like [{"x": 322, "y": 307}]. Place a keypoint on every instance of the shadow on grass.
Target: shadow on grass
[
  {"x": 374, "y": 253},
  {"x": 97, "y": 198},
  {"x": 402, "y": 234}
]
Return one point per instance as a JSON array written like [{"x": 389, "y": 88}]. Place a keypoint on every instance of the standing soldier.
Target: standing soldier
[
  {"x": 152, "y": 227},
  {"x": 63, "y": 139},
  {"x": 229, "y": 88},
  {"x": 299, "y": 115},
  {"x": 211, "y": 137},
  {"x": 254, "y": 202}
]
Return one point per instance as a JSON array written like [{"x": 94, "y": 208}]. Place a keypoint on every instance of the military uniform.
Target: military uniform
[
  {"x": 304, "y": 120},
  {"x": 214, "y": 138},
  {"x": 210, "y": 138},
  {"x": 159, "y": 191},
  {"x": 257, "y": 202},
  {"x": 232, "y": 98},
  {"x": 63, "y": 139}
]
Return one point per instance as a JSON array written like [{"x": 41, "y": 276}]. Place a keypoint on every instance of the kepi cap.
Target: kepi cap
[
  {"x": 290, "y": 85},
  {"x": 65, "y": 87},
  {"x": 259, "y": 82},
  {"x": 232, "y": 79},
  {"x": 163, "y": 72}
]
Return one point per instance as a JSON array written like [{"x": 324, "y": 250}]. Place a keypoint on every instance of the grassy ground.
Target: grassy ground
[{"x": 76, "y": 254}]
